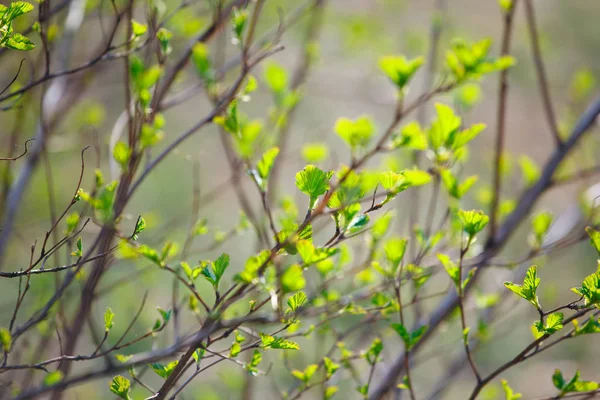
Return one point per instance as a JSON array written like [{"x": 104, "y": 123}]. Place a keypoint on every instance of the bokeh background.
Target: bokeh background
[{"x": 344, "y": 82}]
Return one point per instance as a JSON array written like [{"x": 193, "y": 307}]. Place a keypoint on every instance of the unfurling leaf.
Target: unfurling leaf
[{"x": 529, "y": 287}]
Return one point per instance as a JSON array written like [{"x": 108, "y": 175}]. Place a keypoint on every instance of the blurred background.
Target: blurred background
[{"x": 345, "y": 81}]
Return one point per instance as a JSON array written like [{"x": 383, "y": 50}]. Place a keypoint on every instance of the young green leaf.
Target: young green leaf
[
  {"x": 5, "y": 339},
  {"x": 315, "y": 152},
  {"x": 162, "y": 370},
  {"x": 399, "y": 69},
  {"x": 594, "y": 237},
  {"x": 529, "y": 287},
  {"x": 313, "y": 182},
  {"x": 140, "y": 225},
  {"x": 264, "y": 166},
  {"x": 394, "y": 251},
  {"x": 120, "y": 386},
  {"x": 509, "y": 394},
  {"x": 530, "y": 170},
  {"x": 296, "y": 301},
  {"x": 109, "y": 316},
  {"x": 451, "y": 268},
  {"x": 293, "y": 279},
  {"x": 53, "y": 378},
  {"x": 590, "y": 289},
  {"x": 357, "y": 133},
  {"x": 256, "y": 359},
  {"x": 273, "y": 342},
  {"x": 137, "y": 28},
  {"x": 574, "y": 384},
  {"x": 121, "y": 154},
  {"x": 539, "y": 227},
  {"x": 79, "y": 251},
  {"x": 553, "y": 324},
  {"x": 276, "y": 78},
  {"x": 591, "y": 325},
  {"x": 472, "y": 221},
  {"x": 330, "y": 366}
]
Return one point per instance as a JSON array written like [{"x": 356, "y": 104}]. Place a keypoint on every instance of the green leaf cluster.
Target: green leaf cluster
[
  {"x": 573, "y": 385},
  {"x": 143, "y": 78},
  {"x": 120, "y": 386},
  {"x": 471, "y": 61},
  {"x": 400, "y": 70},
  {"x": 162, "y": 370},
  {"x": 554, "y": 323},
  {"x": 528, "y": 290},
  {"x": 410, "y": 339},
  {"x": 274, "y": 342},
  {"x": 8, "y": 37},
  {"x": 356, "y": 133},
  {"x": 263, "y": 168},
  {"x": 313, "y": 182},
  {"x": 590, "y": 289}
]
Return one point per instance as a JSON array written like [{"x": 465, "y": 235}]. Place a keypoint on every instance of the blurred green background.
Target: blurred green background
[{"x": 344, "y": 82}]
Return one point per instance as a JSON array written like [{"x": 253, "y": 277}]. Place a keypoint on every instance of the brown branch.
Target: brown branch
[
  {"x": 501, "y": 119},
  {"x": 541, "y": 72}
]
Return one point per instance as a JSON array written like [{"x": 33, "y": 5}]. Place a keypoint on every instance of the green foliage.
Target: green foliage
[
  {"x": 78, "y": 252},
  {"x": 399, "y": 69},
  {"x": 471, "y": 61},
  {"x": 473, "y": 222},
  {"x": 330, "y": 367},
  {"x": 528, "y": 290},
  {"x": 212, "y": 271},
  {"x": 204, "y": 69},
  {"x": 109, "y": 316},
  {"x": 253, "y": 264},
  {"x": 529, "y": 170},
  {"x": 293, "y": 279},
  {"x": 5, "y": 339},
  {"x": 315, "y": 152},
  {"x": 372, "y": 355},
  {"x": 256, "y": 359},
  {"x": 276, "y": 78},
  {"x": 356, "y": 133},
  {"x": 509, "y": 393},
  {"x": 165, "y": 316},
  {"x": 263, "y": 168},
  {"x": 311, "y": 254},
  {"x": 573, "y": 385},
  {"x": 395, "y": 249},
  {"x": 590, "y": 289},
  {"x": 594, "y": 237},
  {"x": 143, "y": 78},
  {"x": 53, "y": 378},
  {"x": 164, "y": 40},
  {"x": 120, "y": 386},
  {"x": 506, "y": 5},
  {"x": 396, "y": 182},
  {"x": 8, "y": 37},
  {"x": 446, "y": 139},
  {"x": 313, "y": 182},
  {"x": 239, "y": 19},
  {"x": 162, "y": 370},
  {"x": 411, "y": 136},
  {"x": 305, "y": 375},
  {"x": 455, "y": 188},
  {"x": 539, "y": 227},
  {"x": 553, "y": 324},
  {"x": 138, "y": 29},
  {"x": 274, "y": 342},
  {"x": 591, "y": 325},
  {"x": 297, "y": 301},
  {"x": 410, "y": 339}
]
